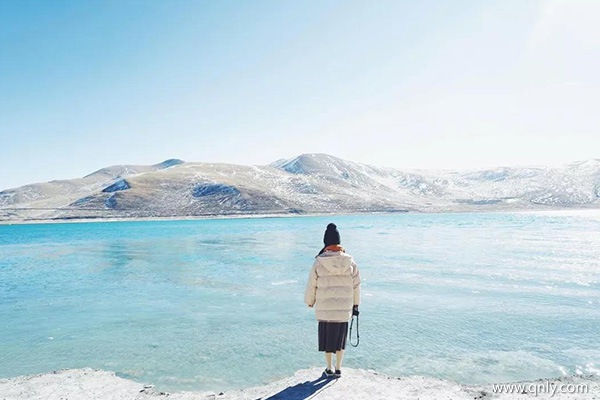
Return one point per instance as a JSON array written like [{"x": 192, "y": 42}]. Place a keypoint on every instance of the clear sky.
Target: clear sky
[{"x": 410, "y": 84}]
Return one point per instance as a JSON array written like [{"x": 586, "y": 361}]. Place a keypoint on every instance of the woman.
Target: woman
[{"x": 334, "y": 290}]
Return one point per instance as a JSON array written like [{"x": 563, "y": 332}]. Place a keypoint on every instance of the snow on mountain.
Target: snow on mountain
[
  {"x": 308, "y": 183},
  {"x": 42, "y": 199}
]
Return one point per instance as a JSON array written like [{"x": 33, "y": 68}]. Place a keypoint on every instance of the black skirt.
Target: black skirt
[{"x": 332, "y": 336}]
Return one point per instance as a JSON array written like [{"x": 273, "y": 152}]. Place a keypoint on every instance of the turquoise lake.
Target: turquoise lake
[{"x": 218, "y": 304}]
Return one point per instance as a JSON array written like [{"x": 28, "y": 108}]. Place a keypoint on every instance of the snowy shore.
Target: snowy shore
[
  {"x": 555, "y": 211},
  {"x": 89, "y": 384}
]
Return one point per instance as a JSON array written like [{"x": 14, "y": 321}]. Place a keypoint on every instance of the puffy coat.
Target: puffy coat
[{"x": 333, "y": 286}]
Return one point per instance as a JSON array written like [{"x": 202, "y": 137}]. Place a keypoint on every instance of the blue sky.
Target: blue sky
[{"x": 407, "y": 84}]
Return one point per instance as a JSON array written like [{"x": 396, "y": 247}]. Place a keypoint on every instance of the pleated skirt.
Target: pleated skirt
[{"x": 332, "y": 336}]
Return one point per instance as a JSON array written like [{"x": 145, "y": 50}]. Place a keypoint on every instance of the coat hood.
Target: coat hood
[{"x": 336, "y": 262}]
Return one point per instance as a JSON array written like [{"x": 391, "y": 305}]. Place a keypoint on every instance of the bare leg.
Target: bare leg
[
  {"x": 328, "y": 358},
  {"x": 339, "y": 355}
]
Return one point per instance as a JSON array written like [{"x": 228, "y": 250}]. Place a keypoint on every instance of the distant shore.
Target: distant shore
[
  {"x": 133, "y": 219},
  {"x": 592, "y": 210},
  {"x": 194, "y": 217},
  {"x": 355, "y": 384}
]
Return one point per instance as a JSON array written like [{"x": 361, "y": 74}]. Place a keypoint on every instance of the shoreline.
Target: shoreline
[
  {"x": 184, "y": 218},
  {"x": 290, "y": 215},
  {"x": 92, "y": 384}
]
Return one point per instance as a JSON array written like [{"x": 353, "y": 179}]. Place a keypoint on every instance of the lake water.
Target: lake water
[{"x": 218, "y": 304}]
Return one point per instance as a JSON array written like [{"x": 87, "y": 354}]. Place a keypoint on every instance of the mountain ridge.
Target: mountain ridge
[{"x": 308, "y": 183}]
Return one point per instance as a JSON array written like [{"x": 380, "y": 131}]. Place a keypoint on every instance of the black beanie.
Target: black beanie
[{"x": 332, "y": 236}]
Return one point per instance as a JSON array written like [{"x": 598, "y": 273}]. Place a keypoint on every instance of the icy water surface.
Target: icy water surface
[{"x": 217, "y": 304}]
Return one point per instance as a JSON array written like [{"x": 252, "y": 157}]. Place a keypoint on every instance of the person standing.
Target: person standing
[{"x": 333, "y": 289}]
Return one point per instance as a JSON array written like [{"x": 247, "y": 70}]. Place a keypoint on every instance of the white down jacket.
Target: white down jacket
[{"x": 333, "y": 286}]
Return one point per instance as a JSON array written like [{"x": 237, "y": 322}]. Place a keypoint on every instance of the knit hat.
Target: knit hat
[{"x": 332, "y": 236}]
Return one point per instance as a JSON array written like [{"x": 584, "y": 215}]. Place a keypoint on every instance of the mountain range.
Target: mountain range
[{"x": 309, "y": 183}]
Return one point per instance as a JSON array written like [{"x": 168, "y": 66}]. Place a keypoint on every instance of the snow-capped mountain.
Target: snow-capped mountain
[{"x": 309, "y": 183}]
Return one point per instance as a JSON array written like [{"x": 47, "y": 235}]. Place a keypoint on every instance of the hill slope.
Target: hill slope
[{"x": 309, "y": 183}]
